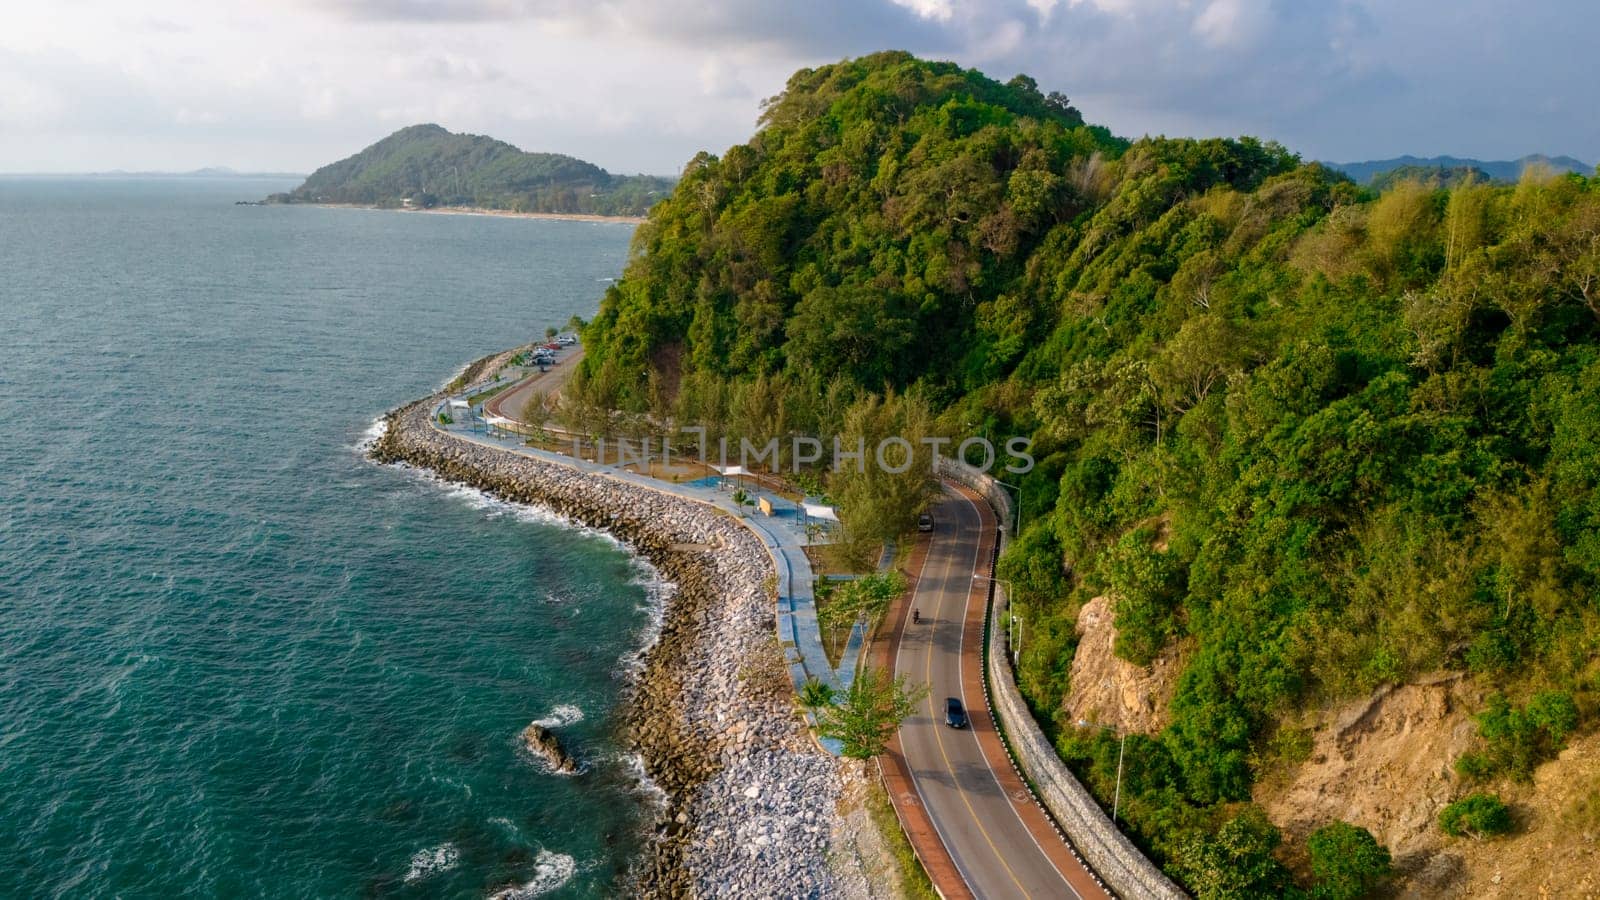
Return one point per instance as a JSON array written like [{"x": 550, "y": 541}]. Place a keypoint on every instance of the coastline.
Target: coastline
[
  {"x": 482, "y": 211},
  {"x": 752, "y": 804}
]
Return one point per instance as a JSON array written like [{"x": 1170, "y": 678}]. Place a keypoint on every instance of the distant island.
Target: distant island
[
  {"x": 1446, "y": 171},
  {"x": 428, "y": 167}
]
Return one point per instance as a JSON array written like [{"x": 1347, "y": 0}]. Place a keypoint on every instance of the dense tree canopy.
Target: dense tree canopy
[{"x": 1323, "y": 437}]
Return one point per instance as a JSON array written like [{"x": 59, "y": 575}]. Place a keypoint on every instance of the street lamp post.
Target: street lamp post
[
  {"x": 1016, "y": 646},
  {"x": 1122, "y": 749},
  {"x": 1018, "y": 520}
]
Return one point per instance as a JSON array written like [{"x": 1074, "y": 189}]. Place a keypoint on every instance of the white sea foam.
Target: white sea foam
[
  {"x": 460, "y": 371},
  {"x": 508, "y": 826},
  {"x": 372, "y": 434},
  {"x": 442, "y": 858},
  {"x": 563, "y": 715},
  {"x": 657, "y": 590},
  {"x": 550, "y": 871},
  {"x": 644, "y": 785}
]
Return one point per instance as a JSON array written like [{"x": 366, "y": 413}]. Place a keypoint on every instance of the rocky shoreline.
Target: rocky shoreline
[{"x": 753, "y": 805}]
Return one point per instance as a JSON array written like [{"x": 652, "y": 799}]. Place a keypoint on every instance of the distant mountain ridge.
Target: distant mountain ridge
[
  {"x": 1498, "y": 170},
  {"x": 428, "y": 166}
]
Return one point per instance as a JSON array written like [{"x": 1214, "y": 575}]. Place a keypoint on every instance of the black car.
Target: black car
[
  {"x": 924, "y": 522},
  {"x": 954, "y": 715}
]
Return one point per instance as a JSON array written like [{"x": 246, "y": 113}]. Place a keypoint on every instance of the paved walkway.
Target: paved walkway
[{"x": 782, "y": 533}]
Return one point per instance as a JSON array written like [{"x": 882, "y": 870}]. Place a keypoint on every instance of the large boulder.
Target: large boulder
[{"x": 543, "y": 743}]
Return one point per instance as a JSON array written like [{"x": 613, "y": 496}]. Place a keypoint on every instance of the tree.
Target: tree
[
  {"x": 865, "y": 599},
  {"x": 1346, "y": 860},
  {"x": 814, "y": 530},
  {"x": 1477, "y": 816},
  {"x": 536, "y": 412},
  {"x": 741, "y": 500},
  {"x": 877, "y": 503},
  {"x": 871, "y": 712},
  {"x": 1147, "y": 585},
  {"x": 1237, "y": 862}
]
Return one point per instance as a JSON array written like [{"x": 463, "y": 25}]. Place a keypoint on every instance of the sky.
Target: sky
[{"x": 641, "y": 85}]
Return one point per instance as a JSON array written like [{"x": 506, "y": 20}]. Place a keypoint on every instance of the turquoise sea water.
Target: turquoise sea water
[{"x": 236, "y": 659}]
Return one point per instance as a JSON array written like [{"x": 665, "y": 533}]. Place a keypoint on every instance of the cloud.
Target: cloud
[
  {"x": 643, "y": 84},
  {"x": 835, "y": 28}
]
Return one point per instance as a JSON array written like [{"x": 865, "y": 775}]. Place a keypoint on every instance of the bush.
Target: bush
[
  {"x": 1516, "y": 740},
  {"x": 1346, "y": 860},
  {"x": 1475, "y": 815},
  {"x": 1147, "y": 585},
  {"x": 1237, "y": 861},
  {"x": 816, "y": 694}
]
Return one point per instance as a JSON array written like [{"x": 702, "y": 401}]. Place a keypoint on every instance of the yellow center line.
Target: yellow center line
[{"x": 938, "y": 737}]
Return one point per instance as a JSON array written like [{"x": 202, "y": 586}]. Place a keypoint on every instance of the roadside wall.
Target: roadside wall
[
  {"x": 1114, "y": 858},
  {"x": 961, "y": 473}
]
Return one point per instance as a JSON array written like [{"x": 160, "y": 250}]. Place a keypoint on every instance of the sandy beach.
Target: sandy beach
[{"x": 480, "y": 211}]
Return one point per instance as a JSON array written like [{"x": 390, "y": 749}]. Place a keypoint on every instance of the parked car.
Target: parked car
[
  {"x": 954, "y": 714},
  {"x": 924, "y": 522},
  {"x": 566, "y": 340},
  {"x": 552, "y": 346}
]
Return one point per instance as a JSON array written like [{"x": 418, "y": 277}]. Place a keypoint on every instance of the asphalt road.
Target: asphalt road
[
  {"x": 509, "y": 403},
  {"x": 994, "y": 850}
]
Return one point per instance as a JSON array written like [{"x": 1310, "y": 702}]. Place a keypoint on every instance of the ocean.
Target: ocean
[{"x": 237, "y": 658}]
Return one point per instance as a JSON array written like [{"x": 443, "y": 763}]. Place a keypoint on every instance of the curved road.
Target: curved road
[
  {"x": 509, "y": 402},
  {"x": 1001, "y": 844}
]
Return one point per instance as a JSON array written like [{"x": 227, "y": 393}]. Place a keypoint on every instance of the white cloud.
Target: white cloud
[
  {"x": 1232, "y": 23},
  {"x": 940, "y": 10},
  {"x": 642, "y": 84}
]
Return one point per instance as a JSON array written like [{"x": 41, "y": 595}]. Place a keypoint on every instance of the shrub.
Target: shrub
[
  {"x": 1346, "y": 860},
  {"x": 1147, "y": 585},
  {"x": 1516, "y": 740},
  {"x": 816, "y": 694},
  {"x": 1237, "y": 861},
  {"x": 1475, "y": 815}
]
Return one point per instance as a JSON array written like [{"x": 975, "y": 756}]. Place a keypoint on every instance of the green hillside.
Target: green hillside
[
  {"x": 1325, "y": 438},
  {"x": 434, "y": 167}
]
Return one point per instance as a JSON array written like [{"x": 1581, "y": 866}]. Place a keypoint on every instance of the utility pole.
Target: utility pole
[
  {"x": 1122, "y": 749},
  {"x": 1016, "y": 648}
]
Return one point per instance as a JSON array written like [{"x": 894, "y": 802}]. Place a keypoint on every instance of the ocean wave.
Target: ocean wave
[
  {"x": 561, "y": 716},
  {"x": 657, "y": 593},
  {"x": 374, "y": 432},
  {"x": 550, "y": 871},
  {"x": 442, "y": 858},
  {"x": 644, "y": 785}
]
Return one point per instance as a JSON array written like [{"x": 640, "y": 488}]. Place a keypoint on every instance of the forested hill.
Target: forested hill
[
  {"x": 1312, "y": 438},
  {"x": 1506, "y": 170},
  {"x": 430, "y": 166}
]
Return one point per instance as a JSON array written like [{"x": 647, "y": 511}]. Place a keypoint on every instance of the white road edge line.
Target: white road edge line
[{"x": 976, "y": 554}]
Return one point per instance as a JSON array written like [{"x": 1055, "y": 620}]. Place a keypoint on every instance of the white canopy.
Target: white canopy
[
  {"x": 501, "y": 421},
  {"x": 818, "y": 511},
  {"x": 460, "y": 404},
  {"x": 732, "y": 470}
]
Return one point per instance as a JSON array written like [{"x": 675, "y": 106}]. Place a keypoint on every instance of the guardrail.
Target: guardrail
[{"x": 998, "y": 497}]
